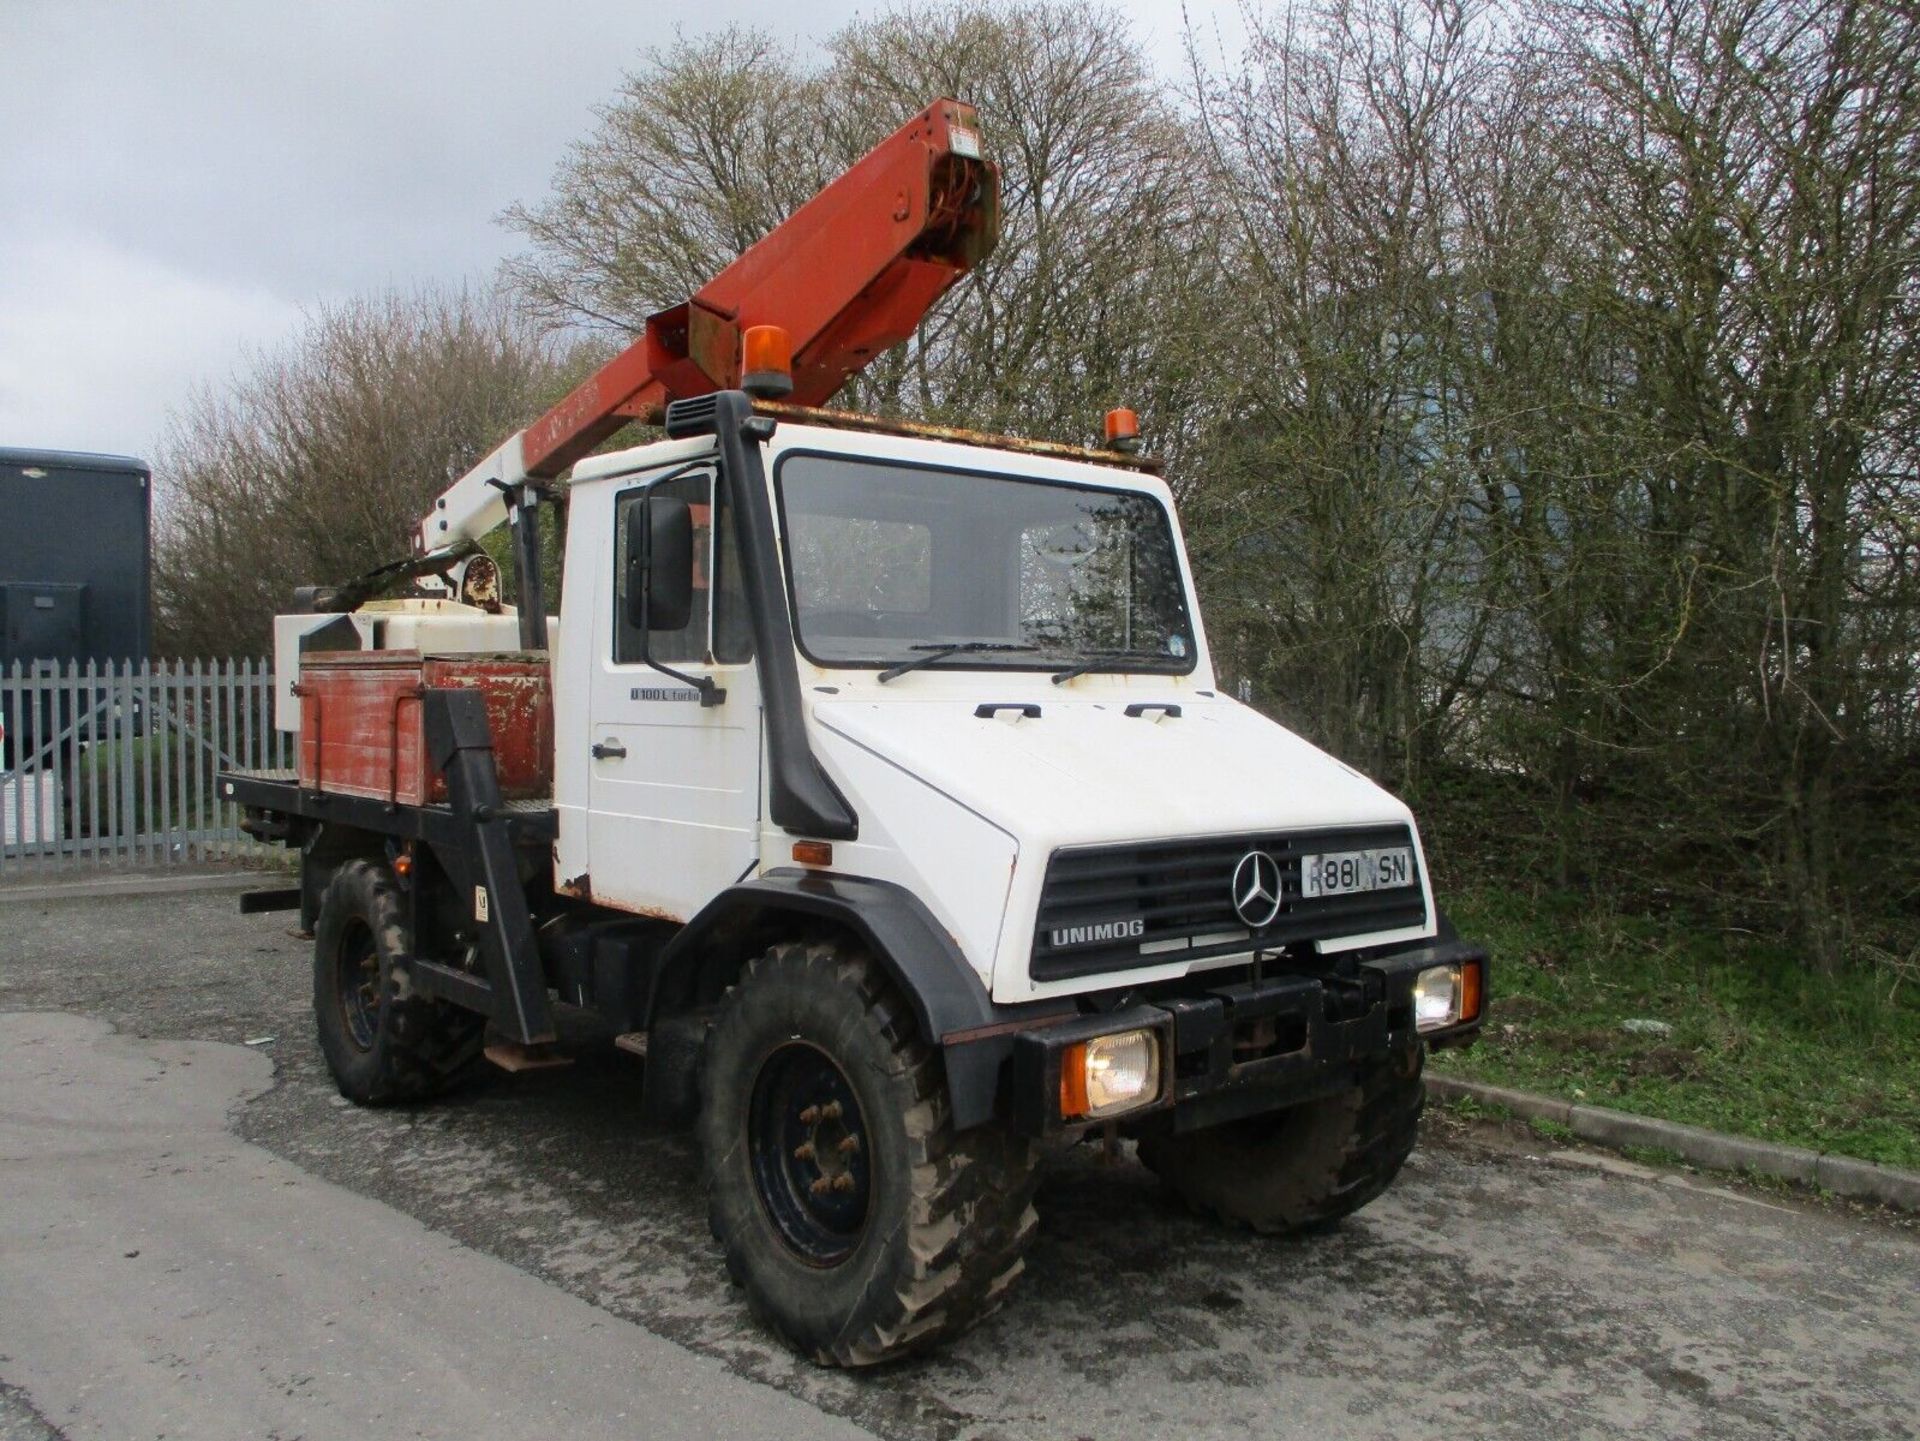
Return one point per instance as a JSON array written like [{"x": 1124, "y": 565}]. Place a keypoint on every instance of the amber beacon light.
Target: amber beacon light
[
  {"x": 1123, "y": 430},
  {"x": 766, "y": 362}
]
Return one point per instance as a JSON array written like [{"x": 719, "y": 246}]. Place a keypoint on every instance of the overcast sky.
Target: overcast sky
[{"x": 181, "y": 179}]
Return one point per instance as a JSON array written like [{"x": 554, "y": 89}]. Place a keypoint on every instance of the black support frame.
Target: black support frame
[
  {"x": 487, "y": 867},
  {"x": 479, "y": 842}
]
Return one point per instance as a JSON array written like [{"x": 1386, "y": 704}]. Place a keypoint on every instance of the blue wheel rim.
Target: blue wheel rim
[
  {"x": 807, "y": 1139},
  {"x": 356, "y": 976}
]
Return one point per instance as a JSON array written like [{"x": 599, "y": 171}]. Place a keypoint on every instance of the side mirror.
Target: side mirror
[{"x": 659, "y": 564}]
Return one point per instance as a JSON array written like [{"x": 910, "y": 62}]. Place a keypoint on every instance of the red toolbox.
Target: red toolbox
[{"x": 362, "y": 732}]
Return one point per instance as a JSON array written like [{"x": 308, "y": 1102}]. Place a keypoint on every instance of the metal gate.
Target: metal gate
[{"x": 113, "y": 765}]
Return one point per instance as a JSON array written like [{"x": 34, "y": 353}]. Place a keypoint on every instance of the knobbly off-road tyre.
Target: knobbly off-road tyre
[
  {"x": 382, "y": 1042},
  {"x": 1304, "y": 1168},
  {"x": 924, "y": 1237}
]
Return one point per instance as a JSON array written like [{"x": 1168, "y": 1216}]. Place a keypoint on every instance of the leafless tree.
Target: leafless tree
[
  {"x": 1753, "y": 172},
  {"x": 313, "y": 464},
  {"x": 1574, "y": 421}
]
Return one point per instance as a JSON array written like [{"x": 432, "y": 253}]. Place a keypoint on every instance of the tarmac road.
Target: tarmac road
[
  {"x": 530, "y": 1255},
  {"x": 163, "y": 1277}
]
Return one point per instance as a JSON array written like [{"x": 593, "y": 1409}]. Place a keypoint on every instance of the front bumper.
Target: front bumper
[{"x": 1231, "y": 1051}]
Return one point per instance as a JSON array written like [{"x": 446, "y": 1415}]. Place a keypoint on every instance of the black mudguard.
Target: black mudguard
[{"x": 949, "y": 1002}]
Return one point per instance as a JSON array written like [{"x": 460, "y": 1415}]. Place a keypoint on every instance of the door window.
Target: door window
[{"x": 717, "y": 627}]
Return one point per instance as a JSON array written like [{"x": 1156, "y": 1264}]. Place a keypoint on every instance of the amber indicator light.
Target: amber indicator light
[
  {"x": 1073, "y": 1081},
  {"x": 813, "y": 853}
]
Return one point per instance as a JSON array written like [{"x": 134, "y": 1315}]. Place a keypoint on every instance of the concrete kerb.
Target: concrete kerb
[
  {"x": 1710, "y": 1150},
  {"x": 145, "y": 883}
]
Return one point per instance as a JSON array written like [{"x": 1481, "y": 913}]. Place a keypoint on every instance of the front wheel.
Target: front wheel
[
  {"x": 1304, "y": 1168},
  {"x": 860, "y": 1225}
]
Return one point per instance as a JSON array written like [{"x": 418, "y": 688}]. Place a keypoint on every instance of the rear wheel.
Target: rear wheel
[
  {"x": 1304, "y": 1168},
  {"x": 382, "y": 1042},
  {"x": 860, "y": 1225}
]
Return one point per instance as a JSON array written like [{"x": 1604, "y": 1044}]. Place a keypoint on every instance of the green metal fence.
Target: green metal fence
[{"x": 113, "y": 765}]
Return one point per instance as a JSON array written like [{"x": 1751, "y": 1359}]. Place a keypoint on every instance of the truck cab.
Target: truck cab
[{"x": 1001, "y": 669}]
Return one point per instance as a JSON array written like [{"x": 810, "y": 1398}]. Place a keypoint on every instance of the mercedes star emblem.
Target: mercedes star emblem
[{"x": 1256, "y": 889}]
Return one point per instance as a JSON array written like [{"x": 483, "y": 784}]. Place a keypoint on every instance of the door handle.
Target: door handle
[{"x": 609, "y": 751}]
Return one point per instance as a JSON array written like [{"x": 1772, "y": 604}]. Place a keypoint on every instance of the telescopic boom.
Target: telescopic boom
[{"x": 847, "y": 276}]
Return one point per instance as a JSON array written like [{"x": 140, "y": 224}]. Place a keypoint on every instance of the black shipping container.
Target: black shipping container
[{"x": 75, "y": 550}]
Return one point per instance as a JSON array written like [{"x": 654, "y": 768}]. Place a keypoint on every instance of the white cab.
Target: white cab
[{"x": 962, "y": 810}]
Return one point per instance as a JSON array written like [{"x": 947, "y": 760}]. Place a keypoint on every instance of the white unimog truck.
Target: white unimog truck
[{"x": 878, "y": 788}]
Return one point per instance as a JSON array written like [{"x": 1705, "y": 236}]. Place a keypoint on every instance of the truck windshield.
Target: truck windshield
[{"x": 891, "y": 564}]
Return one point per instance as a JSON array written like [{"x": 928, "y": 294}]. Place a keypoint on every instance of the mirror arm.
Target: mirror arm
[{"x": 710, "y": 694}]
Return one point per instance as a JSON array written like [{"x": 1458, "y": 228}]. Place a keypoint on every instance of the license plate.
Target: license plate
[{"x": 1346, "y": 873}]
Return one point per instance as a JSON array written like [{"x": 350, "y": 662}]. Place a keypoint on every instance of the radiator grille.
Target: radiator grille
[{"x": 1181, "y": 893}]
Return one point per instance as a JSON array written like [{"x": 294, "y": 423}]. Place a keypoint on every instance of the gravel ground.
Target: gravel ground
[
  {"x": 1495, "y": 1291},
  {"x": 18, "y": 1420}
]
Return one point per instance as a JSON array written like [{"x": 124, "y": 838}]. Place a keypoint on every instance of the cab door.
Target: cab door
[{"x": 674, "y": 787}]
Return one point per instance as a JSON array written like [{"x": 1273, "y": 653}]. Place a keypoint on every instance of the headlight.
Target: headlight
[
  {"x": 1446, "y": 995},
  {"x": 1109, "y": 1075}
]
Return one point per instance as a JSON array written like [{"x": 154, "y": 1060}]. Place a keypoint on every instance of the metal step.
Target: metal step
[{"x": 512, "y": 1056}]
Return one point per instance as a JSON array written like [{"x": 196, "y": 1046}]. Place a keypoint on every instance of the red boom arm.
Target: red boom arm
[{"x": 847, "y": 276}]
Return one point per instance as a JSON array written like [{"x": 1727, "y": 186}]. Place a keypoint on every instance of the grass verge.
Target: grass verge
[{"x": 1754, "y": 1044}]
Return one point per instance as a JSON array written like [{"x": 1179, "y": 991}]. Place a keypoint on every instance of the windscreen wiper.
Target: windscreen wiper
[
  {"x": 941, "y": 650},
  {"x": 1093, "y": 660}
]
